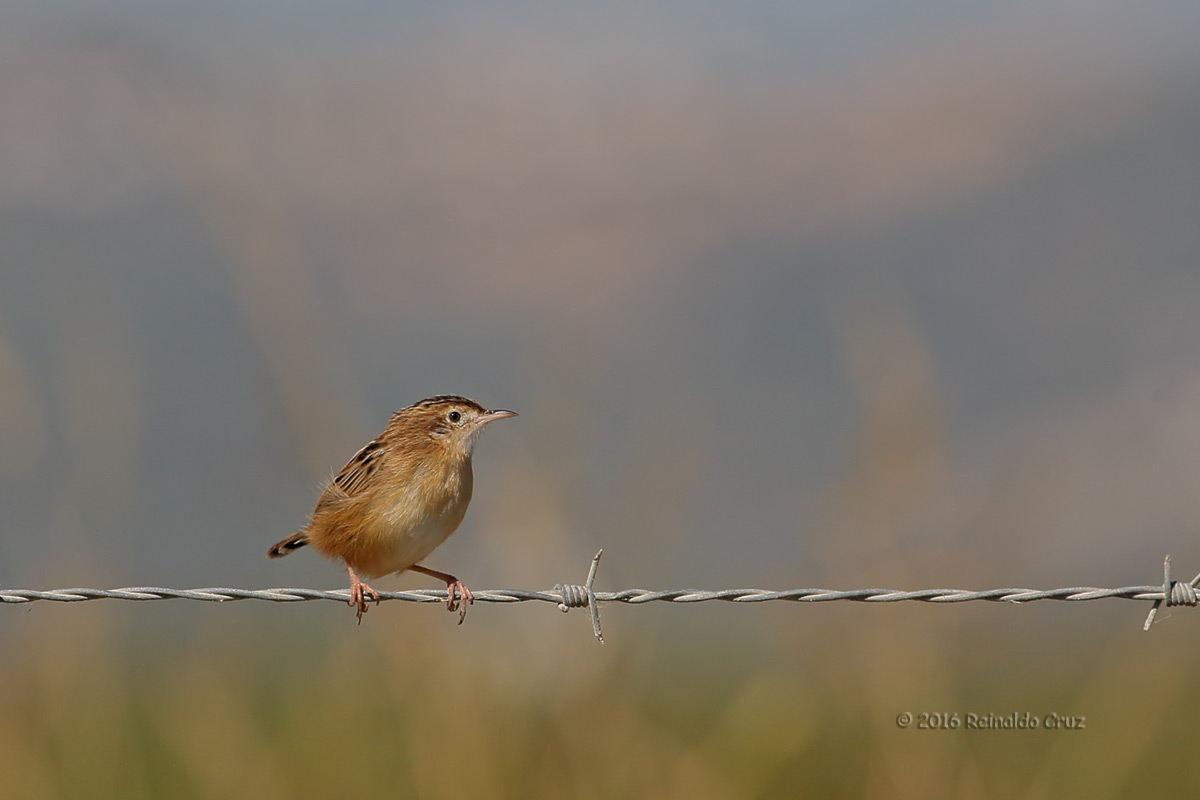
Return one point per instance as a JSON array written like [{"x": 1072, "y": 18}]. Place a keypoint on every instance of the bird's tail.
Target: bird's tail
[{"x": 284, "y": 546}]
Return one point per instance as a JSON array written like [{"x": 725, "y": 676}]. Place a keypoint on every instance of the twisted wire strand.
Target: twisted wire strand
[
  {"x": 568, "y": 596},
  {"x": 578, "y": 597}
]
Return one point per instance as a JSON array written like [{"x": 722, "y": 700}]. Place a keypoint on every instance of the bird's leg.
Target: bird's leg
[
  {"x": 453, "y": 584},
  {"x": 359, "y": 592}
]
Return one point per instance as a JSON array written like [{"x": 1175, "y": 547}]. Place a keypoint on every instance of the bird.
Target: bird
[{"x": 400, "y": 497}]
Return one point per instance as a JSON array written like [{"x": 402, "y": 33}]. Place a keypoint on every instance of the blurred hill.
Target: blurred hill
[{"x": 231, "y": 252}]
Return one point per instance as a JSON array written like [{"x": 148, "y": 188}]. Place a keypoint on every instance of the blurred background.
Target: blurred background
[{"x": 786, "y": 294}]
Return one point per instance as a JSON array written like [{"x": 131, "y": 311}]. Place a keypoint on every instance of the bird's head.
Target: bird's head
[{"x": 450, "y": 421}]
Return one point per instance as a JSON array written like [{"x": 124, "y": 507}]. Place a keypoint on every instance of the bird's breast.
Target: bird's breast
[{"x": 409, "y": 521}]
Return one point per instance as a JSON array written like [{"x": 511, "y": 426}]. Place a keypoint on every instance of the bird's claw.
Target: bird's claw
[
  {"x": 458, "y": 597},
  {"x": 359, "y": 594}
]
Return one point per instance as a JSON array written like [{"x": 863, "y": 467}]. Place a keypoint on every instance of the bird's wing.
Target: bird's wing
[{"x": 356, "y": 475}]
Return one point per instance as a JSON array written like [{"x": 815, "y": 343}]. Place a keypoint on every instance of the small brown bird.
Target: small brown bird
[{"x": 400, "y": 497}]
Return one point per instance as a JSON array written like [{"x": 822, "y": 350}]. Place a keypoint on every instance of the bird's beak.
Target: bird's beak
[{"x": 492, "y": 416}]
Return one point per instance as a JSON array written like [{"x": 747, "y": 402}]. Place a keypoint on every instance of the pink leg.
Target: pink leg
[
  {"x": 359, "y": 592},
  {"x": 453, "y": 585}
]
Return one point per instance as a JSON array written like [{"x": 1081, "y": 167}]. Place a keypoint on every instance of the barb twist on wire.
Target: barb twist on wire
[
  {"x": 574, "y": 596},
  {"x": 1174, "y": 593}
]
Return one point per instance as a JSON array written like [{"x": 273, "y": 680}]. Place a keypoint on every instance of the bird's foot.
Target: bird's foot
[
  {"x": 458, "y": 596},
  {"x": 359, "y": 592},
  {"x": 464, "y": 599}
]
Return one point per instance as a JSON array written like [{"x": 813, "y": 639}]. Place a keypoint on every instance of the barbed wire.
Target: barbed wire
[{"x": 567, "y": 596}]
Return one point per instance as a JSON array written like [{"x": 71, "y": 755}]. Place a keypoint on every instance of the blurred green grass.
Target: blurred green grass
[{"x": 720, "y": 703}]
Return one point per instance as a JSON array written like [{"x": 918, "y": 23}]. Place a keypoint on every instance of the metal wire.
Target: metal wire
[{"x": 568, "y": 596}]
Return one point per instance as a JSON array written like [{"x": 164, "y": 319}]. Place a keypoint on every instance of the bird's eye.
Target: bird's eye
[{"x": 454, "y": 416}]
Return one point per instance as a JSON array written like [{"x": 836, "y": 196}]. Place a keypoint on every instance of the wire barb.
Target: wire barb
[
  {"x": 1174, "y": 593},
  {"x": 567, "y": 596},
  {"x": 574, "y": 596}
]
